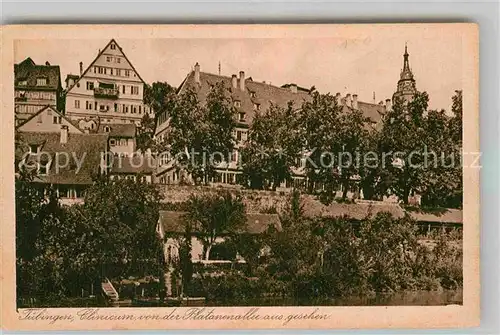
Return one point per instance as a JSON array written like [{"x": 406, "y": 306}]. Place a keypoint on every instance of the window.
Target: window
[
  {"x": 112, "y": 142},
  {"x": 139, "y": 109},
  {"x": 107, "y": 129},
  {"x": 116, "y": 108},
  {"x": 134, "y": 109},
  {"x": 253, "y": 95},
  {"x": 88, "y": 105},
  {"x": 22, "y": 83},
  {"x": 33, "y": 149},
  {"x": 56, "y": 120},
  {"x": 237, "y": 103},
  {"x": 118, "y": 72},
  {"x": 127, "y": 73},
  {"x": 118, "y": 60},
  {"x": 90, "y": 85},
  {"x": 125, "y": 108},
  {"x": 113, "y": 46},
  {"x": 95, "y": 105},
  {"x": 43, "y": 168},
  {"x": 256, "y": 107},
  {"x": 41, "y": 81},
  {"x": 234, "y": 156},
  {"x": 123, "y": 142},
  {"x": 123, "y": 89},
  {"x": 40, "y": 118},
  {"x": 111, "y": 69},
  {"x": 77, "y": 103},
  {"x": 134, "y": 90},
  {"x": 108, "y": 58},
  {"x": 103, "y": 108},
  {"x": 242, "y": 116},
  {"x": 238, "y": 135}
]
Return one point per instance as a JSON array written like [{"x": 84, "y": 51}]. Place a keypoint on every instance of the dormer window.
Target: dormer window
[
  {"x": 256, "y": 107},
  {"x": 41, "y": 82},
  {"x": 242, "y": 116},
  {"x": 253, "y": 94},
  {"x": 237, "y": 103},
  {"x": 107, "y": 129}
]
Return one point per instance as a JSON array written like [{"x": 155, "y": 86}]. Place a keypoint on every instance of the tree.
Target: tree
[
  {"x": 403, "y": 136},
  {"x": 214, "y": 215},
  {"x": 353, "y": 138},
  {"x": 320, "y": 126},
  {"x": 294, "y": 250},
  {"x": 159, "y": 96},
  {"x": 272, "y": 149},
  {"x": 145, "y": 133},
  {"x": 200, "y": 135}
]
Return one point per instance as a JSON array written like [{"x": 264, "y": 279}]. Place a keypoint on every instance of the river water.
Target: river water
[{"x": 407, "y": 298}]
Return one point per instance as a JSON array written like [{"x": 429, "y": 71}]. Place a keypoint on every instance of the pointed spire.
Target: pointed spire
[{"x": 406, "y": 72}]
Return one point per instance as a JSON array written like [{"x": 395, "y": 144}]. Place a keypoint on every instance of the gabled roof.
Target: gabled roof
[
  {"x": 118, "y": 130},
  {"x": 173, "y": 222},
  {"x": 97, "y": 57},
  {"x": 265, "y": 94},
  {"x": 28, "y": 71},
  {"x": 87, "y": 149},
  {"x": 71, "y": 122}
]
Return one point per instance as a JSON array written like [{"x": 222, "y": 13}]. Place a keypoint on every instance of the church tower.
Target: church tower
[{"x": 406, "y": 84}]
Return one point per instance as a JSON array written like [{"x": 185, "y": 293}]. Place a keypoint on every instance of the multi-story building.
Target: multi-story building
[
  {"x": 110, "y": 90},
  {"x": 61, "y": 155},
  {"x": 249, "y": 97},
  {"x": 36, "y": 86}
]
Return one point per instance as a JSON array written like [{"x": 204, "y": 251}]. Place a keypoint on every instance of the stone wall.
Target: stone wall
[{"x": 255, "y": 201}]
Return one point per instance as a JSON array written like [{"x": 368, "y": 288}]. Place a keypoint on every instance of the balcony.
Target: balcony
[{"x": 104, "y": 92}]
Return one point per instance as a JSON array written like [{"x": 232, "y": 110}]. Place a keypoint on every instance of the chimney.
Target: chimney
[
  {"x": 197, "y": 73},
  {"x": 338, "y": 98},
  {"x": 348, "y": 100},
  {"x": 47, "y": 63},
  {"x": 242, "y": 80},
  {"x": 234, "y": 81},
  {"x": 64, "y": 134},
  {"x": 81, "y": 68},
  {"x": 354, "y": 101},
  {"x": 293, "y": 88},
  {"x": 388, "y": 105}
]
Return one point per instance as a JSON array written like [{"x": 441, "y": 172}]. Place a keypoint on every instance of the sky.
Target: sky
[{"x": 362, "y": 66}]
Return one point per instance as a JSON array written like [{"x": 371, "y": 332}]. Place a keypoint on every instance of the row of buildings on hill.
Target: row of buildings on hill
[{"x": 99, "y": 110}]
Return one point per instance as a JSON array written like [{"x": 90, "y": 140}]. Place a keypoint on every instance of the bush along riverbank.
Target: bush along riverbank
[{"x": 312, "y": 260}]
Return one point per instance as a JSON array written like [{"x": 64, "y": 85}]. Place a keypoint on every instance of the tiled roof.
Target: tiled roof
[
  {"x": 118, "y": 130},
  {"x": 172, "y": 222},
  {"x": 361, "y": 211},
  {"x": 446, "y": 216},
  {"x": 138, "y": 163},
  {"x": 264, "y": 93},
  {"x": 86, "y": 148},
  {"x": 29, "y": 71}
]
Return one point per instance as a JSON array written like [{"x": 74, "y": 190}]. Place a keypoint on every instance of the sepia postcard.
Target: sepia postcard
[{"x": 240, "y": 176}]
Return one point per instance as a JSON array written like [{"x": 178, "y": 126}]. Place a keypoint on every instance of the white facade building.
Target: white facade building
[{"x": 109, "y": 91}]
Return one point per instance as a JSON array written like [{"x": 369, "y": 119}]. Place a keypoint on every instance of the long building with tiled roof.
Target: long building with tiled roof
[{"x": 248, "y": 97}]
